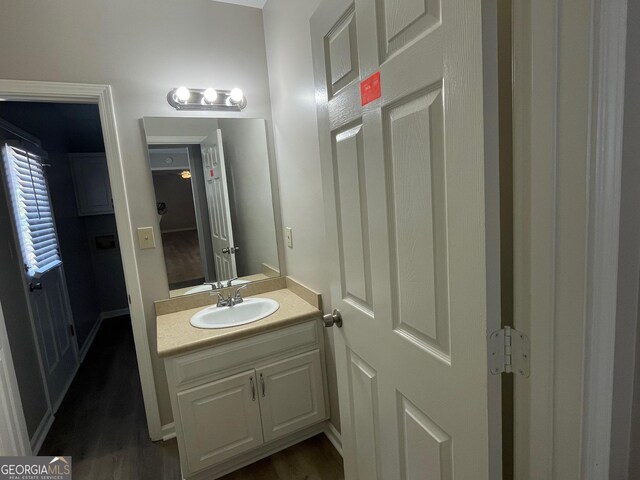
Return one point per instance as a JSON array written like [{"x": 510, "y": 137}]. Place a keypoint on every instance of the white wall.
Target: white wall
[
  {"x": 247, "y": 161},
  {"x": 287, "y": 35},
  {"x": 142, "y": 49}
]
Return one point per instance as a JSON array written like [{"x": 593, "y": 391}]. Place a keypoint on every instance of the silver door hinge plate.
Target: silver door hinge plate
[{"x": 509, "y": 352}]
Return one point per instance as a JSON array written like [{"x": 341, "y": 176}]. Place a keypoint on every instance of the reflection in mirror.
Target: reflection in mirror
[{"x": 214, "y": 201}]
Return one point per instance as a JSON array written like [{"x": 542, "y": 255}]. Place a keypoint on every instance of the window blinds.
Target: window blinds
[{"x": 32, "y": 210}]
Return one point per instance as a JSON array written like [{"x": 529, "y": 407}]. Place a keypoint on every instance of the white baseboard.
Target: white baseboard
[
  {"x": 41, "y": 432},
  {"x": 114, "y": 313},
  {"x": 168, "y": 431},
  {"x": 334, "y": 436},
  {"x": 90, "y": 338}
]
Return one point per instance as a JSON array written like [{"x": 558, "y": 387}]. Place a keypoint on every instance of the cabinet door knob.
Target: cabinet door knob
[
  {"x": 253, "y": 389},
  {"x": 331, "y": 319}
]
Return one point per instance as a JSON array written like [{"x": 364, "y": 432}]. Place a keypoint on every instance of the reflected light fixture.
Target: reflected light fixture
[
  {"x": 183, "y": 98},
  {"x": 186, "y": 174}
]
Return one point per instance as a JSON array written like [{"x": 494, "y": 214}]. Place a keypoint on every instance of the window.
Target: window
[{"x": 32, "y": 210}]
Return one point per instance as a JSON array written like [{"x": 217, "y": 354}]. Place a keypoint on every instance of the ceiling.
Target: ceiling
[{"x": 246, "y": 3}]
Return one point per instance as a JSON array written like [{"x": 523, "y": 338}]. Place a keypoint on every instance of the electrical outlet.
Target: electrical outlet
[
  {"x": 288, "y": 233},
  {"x": 146, "y": 238}
]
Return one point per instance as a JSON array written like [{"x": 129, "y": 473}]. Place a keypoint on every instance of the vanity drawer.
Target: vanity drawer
[{"x": 187, "y": 368}]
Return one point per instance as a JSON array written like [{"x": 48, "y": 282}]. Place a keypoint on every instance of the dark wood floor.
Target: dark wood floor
[{"x": 101, "y": 424}]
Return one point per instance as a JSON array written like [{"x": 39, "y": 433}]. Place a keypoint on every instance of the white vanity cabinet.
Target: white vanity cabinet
[
  {"x": 240, "y": 401},
  {"x": 91, "y": 183}
]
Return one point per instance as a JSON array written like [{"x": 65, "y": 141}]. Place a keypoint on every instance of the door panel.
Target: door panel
[
  {"x": 342, "y": 53},
  {"x": 364, "y": 420},
  {"x": 413, "y": 137},
  {"x": 220, "y": 419},
  {"x": 401, "y": 21},
  {"x": 291, "y": 395},
  {"x": 425, "y": 449},
  {"x": 52, "y": 318},
  {"x": 351, "y": 202},
  {"x": 404, "y": 184}
]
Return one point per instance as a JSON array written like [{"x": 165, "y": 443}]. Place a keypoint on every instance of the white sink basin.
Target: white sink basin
[{"x": 250, "y": 310}]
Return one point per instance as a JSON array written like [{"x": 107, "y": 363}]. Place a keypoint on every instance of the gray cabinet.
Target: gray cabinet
[{"x": 91, "y": 183}]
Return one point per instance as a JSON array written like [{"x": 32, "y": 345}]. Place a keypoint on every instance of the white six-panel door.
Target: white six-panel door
[
  {"x": 219, "y": 209},
  {"x": 404, "y": 184}
]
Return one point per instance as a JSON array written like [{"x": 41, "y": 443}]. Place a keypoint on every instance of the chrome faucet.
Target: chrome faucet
[
  {"x": 222, "y": 302},
  {"x": 230, "y": 301},
  {"x": 213, "y": 285},
  {"x": 237, "y": 298},
  {"x": 230, "y": 281}
]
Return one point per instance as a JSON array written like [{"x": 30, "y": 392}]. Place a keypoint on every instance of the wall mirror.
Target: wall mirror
[{"x": 214, "y": 200}]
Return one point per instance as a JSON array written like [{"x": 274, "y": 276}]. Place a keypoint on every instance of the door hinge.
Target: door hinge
[
  {"x": 73, "y": 330},
  {"x": 509, "y": 352}
]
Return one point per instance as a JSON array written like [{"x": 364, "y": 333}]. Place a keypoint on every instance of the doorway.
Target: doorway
[{"x": 63, "y": 270}]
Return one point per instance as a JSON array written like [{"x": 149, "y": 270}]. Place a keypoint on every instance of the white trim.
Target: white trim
[
  {"x": 535, "y": 71},
  {"x": 90, "y": 338},
  {"x": 94, "y": 330},
  {"x": 63, "y": 393},
  {"x": 179, "y": 230},
  {"x": 101, "y": 94},
  {"x": 168, "y": 431},
  {"x": 608, "y": 76},
  {"x": 176, "y": 139},
  {"x": 334, "y": 436},
  {"x": 41, "y": 432},
  {"x": 14, "y": 438}
]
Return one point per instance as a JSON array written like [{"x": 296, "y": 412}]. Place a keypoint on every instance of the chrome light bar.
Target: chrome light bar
[{"x": 183, "y": 98}]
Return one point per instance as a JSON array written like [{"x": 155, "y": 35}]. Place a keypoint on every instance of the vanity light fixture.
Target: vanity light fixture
[{"x": 183, "y": 98}]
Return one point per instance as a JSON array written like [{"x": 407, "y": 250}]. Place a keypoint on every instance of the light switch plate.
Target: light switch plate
[
  {"x": 288, "y": 233},
  {"x": 146, "y": 238}
]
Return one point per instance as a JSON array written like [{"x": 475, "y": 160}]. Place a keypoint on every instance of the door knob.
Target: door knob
[
  {"x": 331, "y": 319},
  {"x": 35, "y": 286},
  {"x": 226, "y": 250}
]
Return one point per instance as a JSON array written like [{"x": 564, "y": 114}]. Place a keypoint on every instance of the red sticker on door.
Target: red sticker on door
[{"x": 370, "y": 89}]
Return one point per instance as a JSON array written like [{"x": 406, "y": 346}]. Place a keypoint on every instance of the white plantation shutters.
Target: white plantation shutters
[{"x": 29, "y": 196}]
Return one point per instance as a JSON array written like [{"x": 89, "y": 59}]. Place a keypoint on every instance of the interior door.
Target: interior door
[
  {"x": 399, "y": 85},
  {"x": 43, "y": 274},
  {"x": 219, "y": 210}
]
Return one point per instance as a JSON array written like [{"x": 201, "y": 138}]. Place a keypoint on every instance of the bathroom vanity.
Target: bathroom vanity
[{"x": 241, "y": 393}]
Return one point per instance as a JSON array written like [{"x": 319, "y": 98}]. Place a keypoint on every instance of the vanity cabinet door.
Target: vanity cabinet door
[
  {"x": 220, "y": 419},
  {"x": 291, "y": 395}
]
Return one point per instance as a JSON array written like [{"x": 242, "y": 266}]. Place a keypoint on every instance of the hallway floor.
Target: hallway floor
[{"x": 101, "y": 424}]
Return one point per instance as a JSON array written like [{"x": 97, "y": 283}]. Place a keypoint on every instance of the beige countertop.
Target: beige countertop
[{"x": 176, "y": 335}]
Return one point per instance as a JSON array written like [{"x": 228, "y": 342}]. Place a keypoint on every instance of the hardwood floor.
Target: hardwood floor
[{"x": 101, "y": 424}]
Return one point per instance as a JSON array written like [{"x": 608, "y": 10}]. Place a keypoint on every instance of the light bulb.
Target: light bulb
[
  {"x": 186, "y": 174},
  {"x": 183, "y": 94},
  {"x": 236, "y": 95},
  {"x": 210, "y": 95}
]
